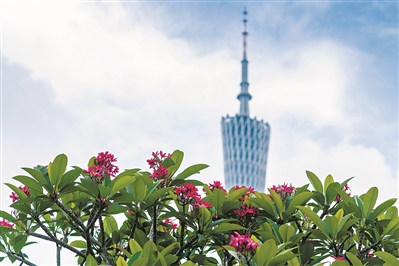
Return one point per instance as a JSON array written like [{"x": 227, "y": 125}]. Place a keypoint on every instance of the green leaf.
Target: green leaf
[
  {"x": 382, "y": 208},
  {"x": 36, "y": 175},
  {"x": 57, "y": 168},
  {"x": 391, "y": 225},
  {"x": 354, "y": 260},
  {"x": 205, "y": 218},
  {"x": 217, "y": 199},
  {"x": 134, "y": 246},
  {"x": 89, "y": 187},
  {"x": 275, "y": 228},
  {"x": 329, "y": 180},
  {"x": 193, "y": 169},
  {"x": 91, "y": 261},
  {"x": 387, "y": 257},
  {"x": 17, "y": 191},
  {"x": 332, "y": 225},
  {"x": 359, "y": 203},
  {"x": 282, "y": 257},
  {"x": 315, "y": 181},
  {"x": 78, "y": 244},
  {"x": 299, "y": 199},
  {"x": 340, "y": 263},
  {"x": 138, "y": 189},
  {"x": 7, "y": 216},
  {"x": 150, "y": 251},
  {"x": 29, "y": 182},
  {"x": 121, "y": 262},
  {"x": 177, "y": 157},
  {"x": 265, "y": 252},
  {"x": 306, "y": 251},
  {"x": 277, "y": 201},
  {"x": 20, "y": 242},
  {"x": 369, "y": 200},
  {"x": 265, "y": 204},
  {"x": 121, "y": 182},
  {"x": 189, "y": 263},
  {"x": 286, "y": 232},
  {"x": 139, "y": 262},
  {"x": 331, "y": 192},
  {"x": 235, "y": 194},
  {"x": 110, "y": 224},
  {"x": 225, "y": 227},
  {"x": 158, "y": 193},
  {"x": 314, "y": 218},
  {"x": 391, "y": 213},
  {"x": 140, "y": 237},
  {"x": 69, "y": 177},
  {"x": 169, "y": 248}
]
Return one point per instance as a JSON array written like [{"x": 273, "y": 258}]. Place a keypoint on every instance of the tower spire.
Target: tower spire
[{"x": 244, "y": 96}]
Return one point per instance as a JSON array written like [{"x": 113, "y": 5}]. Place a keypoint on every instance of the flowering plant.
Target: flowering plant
[{"x": 160, "y": 218}]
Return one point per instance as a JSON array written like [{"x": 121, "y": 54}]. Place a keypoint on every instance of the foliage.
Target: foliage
[{"x": 160, "y": 218}]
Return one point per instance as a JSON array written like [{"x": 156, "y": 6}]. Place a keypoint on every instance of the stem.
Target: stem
[
  {"x": 100, "y": 220},
  {"x": 361, "y": 237},
  {"x": 70, "y": 214},
  {"x": 57, "y": 242},
  {"x": 182, "y": 248},
  {"x": 15, "y": 256},
  {"x": 299, "y": 226},
  {"x": 343, "y": 242},
  {"x": 154, "y": 224},
  {"x": 371, "y": 246},
  {"x": 152, "y": 235},
  {"x": 58, "y": 255}
]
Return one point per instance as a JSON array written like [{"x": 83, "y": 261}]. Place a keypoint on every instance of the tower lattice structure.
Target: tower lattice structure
[{"x": 245, "y": 139}]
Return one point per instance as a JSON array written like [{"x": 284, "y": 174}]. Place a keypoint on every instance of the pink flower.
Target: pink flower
[
  {"x": 345, "y": 188},
  {"x": 283, "y": 190},
  {"x": 250, "y": 191},
  {"x": 159, "y": 171},
  {"x": 338, "y": 258},
  {"x": 216, "y": 184},
  {"x": 15, "y": 197},
  {"x": 6, "y": 223},
  {"x": 170, "y": 222},
  {"x": 103, "y": 167},
  {"x": 187, "y": 194},
  {"x": 202, "y": 203},
  {"x": 245, "y": 209},
  {"x": 242, "y": 243}
]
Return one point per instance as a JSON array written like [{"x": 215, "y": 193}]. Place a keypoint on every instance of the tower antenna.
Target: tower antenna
[{"x": 244, "y": 95}]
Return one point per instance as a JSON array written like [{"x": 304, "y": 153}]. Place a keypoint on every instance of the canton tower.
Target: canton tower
[{"x": 245, "y": 139}]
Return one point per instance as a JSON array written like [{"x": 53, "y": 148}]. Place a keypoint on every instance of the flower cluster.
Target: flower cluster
[
  {"x": 345, "y": 188},
  {"x": 159, "y": 171},
  {"x": 6, "y": 223},
  {"x": 15, "y": 197},
  {"x": 103, "y": 167},
  {"x": 283, "y": 190},
  {"x": 242, "y": 243},
  {"x": 188, "y": 194},
  {"x": 169, "y": 221},
  {"x": 250, "y": 191},
  {"x": 218, "y": 185},
  {"x": 245, "y": 209}
]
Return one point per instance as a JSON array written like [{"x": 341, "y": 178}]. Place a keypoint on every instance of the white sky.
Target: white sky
[{"x": 131, "y": 78}]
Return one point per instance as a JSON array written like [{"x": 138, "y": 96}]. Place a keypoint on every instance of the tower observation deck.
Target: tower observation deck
[{"x": 245, "y": 139}]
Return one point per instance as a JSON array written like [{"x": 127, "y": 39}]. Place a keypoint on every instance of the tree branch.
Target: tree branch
[
  {"x": 57, "y": 242},
  {"x": 15, "y": 256}
]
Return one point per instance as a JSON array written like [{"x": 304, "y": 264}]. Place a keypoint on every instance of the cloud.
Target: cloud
[
  {"x": 342, "y": 161},
  {"x": 80, "y": 78}
]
